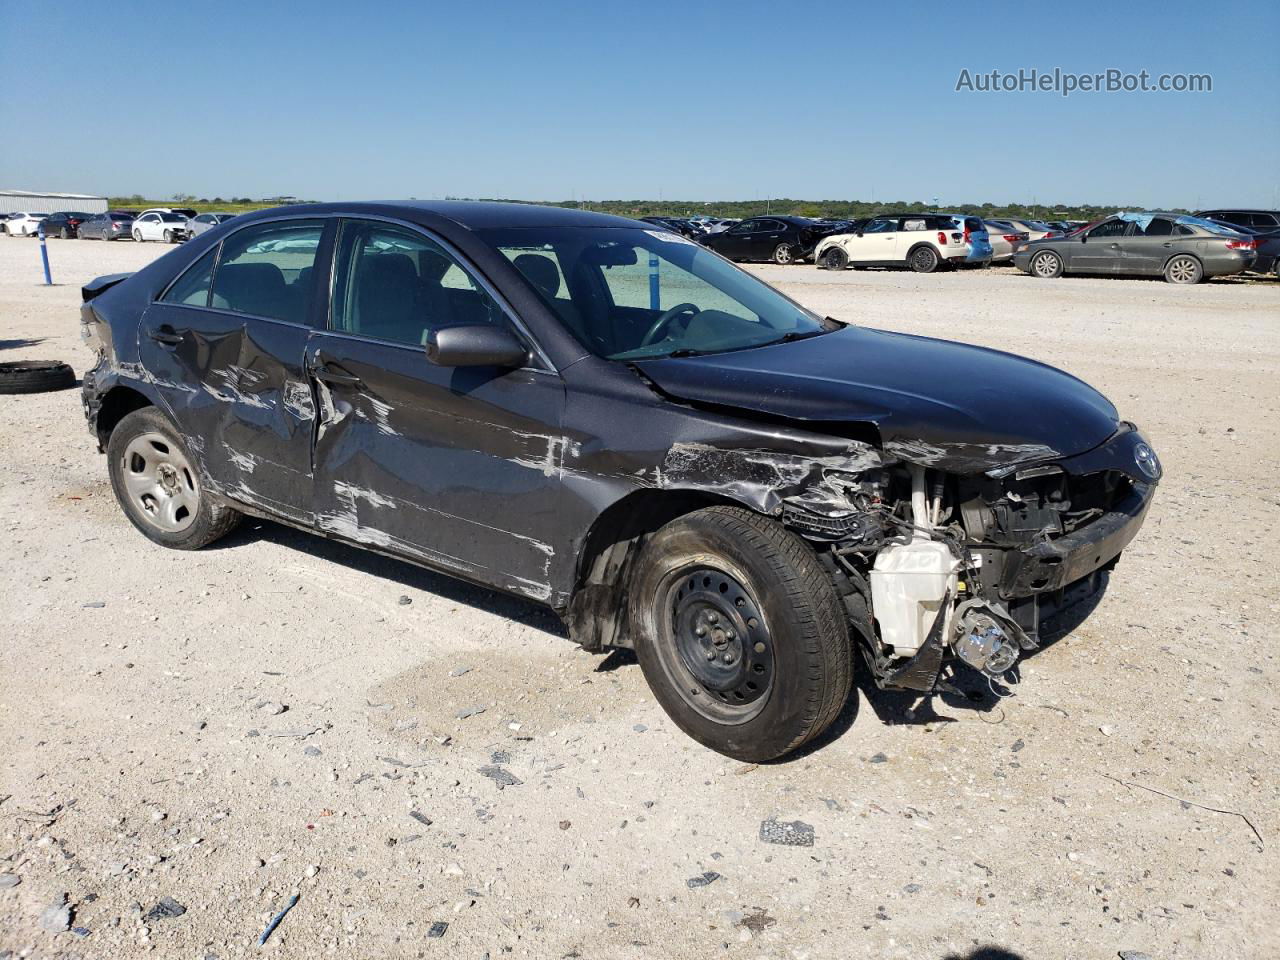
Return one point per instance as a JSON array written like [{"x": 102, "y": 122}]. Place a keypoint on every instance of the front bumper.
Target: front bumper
[{"x": 1054, "y": 564}]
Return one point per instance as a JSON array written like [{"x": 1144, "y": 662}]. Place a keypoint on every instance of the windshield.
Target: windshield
[
  {"x": 171, "y": 218},
  {"x": 631, "y": 294}
]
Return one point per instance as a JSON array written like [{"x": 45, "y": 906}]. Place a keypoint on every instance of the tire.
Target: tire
[
  {"x": 833, "y": 258},
  {"x": 1046, "y": 265},
  {"x": 63, "y": 235},
  {"x": 783, "y": 254},
  {"x": 1183, "y": 268},
  {"x": 923, "y": 259},
  {"x": 137, "y": 236},
  {"x": 159, "y": 487},
  {"x": 35, "y": 376},
  {"x": 769, "y": 616},
  {"x": 168, "y": 236}
]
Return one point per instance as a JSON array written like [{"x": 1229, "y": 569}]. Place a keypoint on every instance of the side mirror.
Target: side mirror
[
  {"x": 859, "y": 233},
  {"x": 1083, "y": 237},
  {"x": 475, "y": 345}
]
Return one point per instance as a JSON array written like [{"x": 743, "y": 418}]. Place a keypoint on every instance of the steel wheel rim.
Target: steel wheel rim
[
  {"x": 715, "y": 644},
  {"x": 1045, "y": 266},
  {"x": 159, "y": 482},
  {"x": 1182, "y": 270}
]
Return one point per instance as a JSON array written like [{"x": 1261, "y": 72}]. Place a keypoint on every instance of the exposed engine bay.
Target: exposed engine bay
[{"x": 935, "y": 567}]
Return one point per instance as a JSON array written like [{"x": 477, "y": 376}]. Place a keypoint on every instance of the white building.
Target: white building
[{"x": 27, "y": 201}]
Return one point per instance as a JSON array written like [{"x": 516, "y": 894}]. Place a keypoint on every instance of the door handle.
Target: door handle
[
  {"x": 328, "y": 375},
  {"x": 1166, "y": 244},
  {"x": 166, "y": 336}
]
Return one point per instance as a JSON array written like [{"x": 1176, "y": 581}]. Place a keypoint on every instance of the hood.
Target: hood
[{"x": 945, "y": 404}]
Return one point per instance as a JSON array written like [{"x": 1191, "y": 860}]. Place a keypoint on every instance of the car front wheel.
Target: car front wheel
[
  {"x": 1046, "y": 265},
  {"x": 159, "y": 487},
  {"x": 739, "y": 633},
  {"x": 833, "y": 258},
  {"x": 137, "y": 236},
  {"x": 1183, "y": 269},
  {"x": 168, "y": 236}
]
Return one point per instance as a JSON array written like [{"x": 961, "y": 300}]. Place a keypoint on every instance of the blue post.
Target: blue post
[
  {"x": 44, "y": 254},
  {"x": 655, "y": 297}
]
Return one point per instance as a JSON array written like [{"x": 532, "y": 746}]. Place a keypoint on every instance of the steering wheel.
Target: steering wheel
[{"x": 666, "y": 318}]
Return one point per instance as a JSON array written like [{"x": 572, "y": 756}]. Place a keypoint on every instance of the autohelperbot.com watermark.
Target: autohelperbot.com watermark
[{"x": 1065, "y": 82}]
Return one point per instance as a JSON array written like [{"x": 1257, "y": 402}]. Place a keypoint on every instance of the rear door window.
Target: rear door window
[
  {"x": 266, "y": 270},
  {"x": 1159, "y": 227},
  {"x": 192, "y": 288}
]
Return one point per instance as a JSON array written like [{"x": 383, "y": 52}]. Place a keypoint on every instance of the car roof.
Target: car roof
[{"x": 471, "y": 214}]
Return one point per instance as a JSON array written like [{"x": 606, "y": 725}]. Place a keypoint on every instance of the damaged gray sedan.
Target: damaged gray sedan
[{"x": 621, "y": 424}]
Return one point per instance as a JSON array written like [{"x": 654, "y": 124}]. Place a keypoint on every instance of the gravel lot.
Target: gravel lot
[{"x": 280, "y": 714}]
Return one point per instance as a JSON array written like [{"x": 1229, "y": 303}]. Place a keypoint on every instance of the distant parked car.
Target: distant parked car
[
  {"x": 206, "y": 221},
  {"x": 1005, "y": 240},
  {"x": 1182, "y": 249},
  {"x": 107, "y": 226},
  {"x": 921, "y": 241},
  {"x": 64, "y": 225},
  {"x": 1266, "y": 246},
  {"x": 23, "y": 224},
  {"x": 1262, "y": 219},
  {"x": 185, "y": 212},
  {"x": 169, "y": 227},
  {"x": 780, "y": 239},
  {"x": 676, "y": 225},
  {"x": 1034, "y": 229}
]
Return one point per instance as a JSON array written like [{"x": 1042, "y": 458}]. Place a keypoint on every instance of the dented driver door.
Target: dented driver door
[{"x": 458, "y": 468}]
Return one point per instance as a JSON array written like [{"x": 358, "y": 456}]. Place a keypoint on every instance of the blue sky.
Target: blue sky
[{"x": 690, "y": 100}]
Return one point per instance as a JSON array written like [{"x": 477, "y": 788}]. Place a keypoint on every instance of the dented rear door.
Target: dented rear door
[
  {"x": 225, "y": 349},
  {"x": 459, "y": 468}
]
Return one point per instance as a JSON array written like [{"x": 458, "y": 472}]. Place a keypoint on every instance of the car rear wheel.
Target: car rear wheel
[
  {"x": 159, "y": 487},
  {"x": 783, "y": 254},
  {"x": 924, "y": 259},
  {"x": 833, "y": 258},
  {"x": 63, "y": 235},
  {"x": 1183, "y": 269},
  {"x": 739, "y": 633},
  {"x": 1046, "y": 265}
]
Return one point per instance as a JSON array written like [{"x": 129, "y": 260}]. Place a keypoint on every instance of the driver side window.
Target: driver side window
[
  {"x": 1112, "y": 228},
  {"x": 881, "y": 226}
]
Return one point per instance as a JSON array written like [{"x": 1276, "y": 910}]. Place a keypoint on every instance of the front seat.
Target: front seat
[
  {"x": 387, "y": 298},
  {"x": 541, "y": 271}
]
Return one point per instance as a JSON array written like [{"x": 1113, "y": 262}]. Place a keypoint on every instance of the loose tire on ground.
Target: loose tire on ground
[
  {"x": 779, "y": 622},
  {"x": 35, "y": 376},
  {"x": 152, "y": 474}
]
